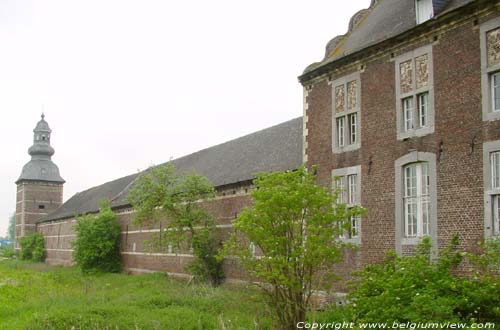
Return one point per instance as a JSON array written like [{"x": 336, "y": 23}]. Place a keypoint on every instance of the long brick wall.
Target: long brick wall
[{"x": 137, "y": 255}]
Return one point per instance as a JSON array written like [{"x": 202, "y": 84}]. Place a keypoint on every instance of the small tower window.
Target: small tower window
[
  {"x": 43, "y": 137},
  {"x": 41, "y": 207},
  {"x": 424, "y": 10}
]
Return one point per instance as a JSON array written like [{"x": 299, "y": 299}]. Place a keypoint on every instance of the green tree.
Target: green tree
[
  {"x": 12, "y": 227},
  {"x": 292, "y": 223},
  {"x": 160, "y": 193},
  {"x": 32, "y": 247},
  {"x": 97, "y": 242}
]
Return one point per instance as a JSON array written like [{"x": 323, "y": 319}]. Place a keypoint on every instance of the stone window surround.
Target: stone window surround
[
  {"x": 345, "y": 172},
  {"x": 488, "y": 147},
  {"x": 429, "y": 129},
  {"x": 400, "y": 163},
  {"x": 487, "y": 71},
  {"x": 343, "y": 81}
]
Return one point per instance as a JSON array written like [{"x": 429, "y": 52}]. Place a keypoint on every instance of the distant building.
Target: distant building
[{"x": 402, "y": 114}]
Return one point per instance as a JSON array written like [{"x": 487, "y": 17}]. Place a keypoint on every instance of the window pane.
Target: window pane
[
  {"x": 353, "y": 130},
  {"x": 340, "y": 131},
  {"x": 496, "y": 215},
  {"x": 416, "y": 199},
  {"x": 422, "y": 108},
  {"x": 425, "y": 179},
  {"x": 340, "y": 187},
  {"x": 495, "y": 91},
  {"x": 425, "y": 215},
  {"x": 354, "y": 227},
  {"x": 408, "y": 113},
  {"x": 495, "y": 169},
  {"x": 352, "y": 188}
]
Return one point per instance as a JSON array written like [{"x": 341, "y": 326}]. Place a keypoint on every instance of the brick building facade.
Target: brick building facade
[{"x": 402, "y": 114}]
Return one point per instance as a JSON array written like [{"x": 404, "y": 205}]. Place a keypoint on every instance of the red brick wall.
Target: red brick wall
[{"x": 458, "y": 127}]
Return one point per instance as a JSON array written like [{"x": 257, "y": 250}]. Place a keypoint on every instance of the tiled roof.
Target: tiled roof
[
  {"x": 383, "y": 20},
  {"x": 277, "y": 148}
]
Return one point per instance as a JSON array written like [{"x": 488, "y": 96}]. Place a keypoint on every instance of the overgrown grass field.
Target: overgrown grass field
[{"x": 35, "y": 296}]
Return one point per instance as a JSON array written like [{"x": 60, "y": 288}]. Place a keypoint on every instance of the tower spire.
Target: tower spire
[{"x": 41, "y": 167}]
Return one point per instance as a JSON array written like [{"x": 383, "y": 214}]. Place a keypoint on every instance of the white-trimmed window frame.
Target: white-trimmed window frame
[
  {"x": 404, "y": 132},
  {"x": 343, "y": 142},
  {"x": 491, "y": 175},
  {"x": 419, "y": 11},
  {"x": 416, "y": 199},
  {"x": 350, "y": 194},
  {"x": 402, "y": 239},
  {"x": 487, "y": 72}
]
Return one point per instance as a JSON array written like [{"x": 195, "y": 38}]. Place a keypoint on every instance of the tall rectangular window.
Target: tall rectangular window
[
  {"x": 423, "y": 101},
  {"x": 495, "y": 188},
  {"x": 490, "y": 68},
  {"x": 495, "y": 91},
  {"x": 416, "y": 199},
  {"x": 424, "y": 10},
  {"x": 414, "y": 93},
  {"x": 408, "y": 113},
  {"x": 347, "y": 185},
  {"x": 346, "y": 109},
  {"x": 340, "y": 131}
]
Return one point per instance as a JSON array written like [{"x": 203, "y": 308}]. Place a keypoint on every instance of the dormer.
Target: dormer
[{"x": 424, "y": 10}]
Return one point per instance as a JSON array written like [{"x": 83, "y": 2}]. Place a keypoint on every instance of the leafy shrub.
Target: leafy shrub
[
  {"x": 419, "y": 289},
  {"x": 8, "y": 251},
  {"x": 32, "y": 247},
  {"x": 97, "y": 243}
]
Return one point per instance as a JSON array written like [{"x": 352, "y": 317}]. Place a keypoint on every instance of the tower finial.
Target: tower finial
[{"x": 43, "y": 116}]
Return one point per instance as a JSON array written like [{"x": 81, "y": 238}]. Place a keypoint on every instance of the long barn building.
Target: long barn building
[{"x": 402, "y": 114}]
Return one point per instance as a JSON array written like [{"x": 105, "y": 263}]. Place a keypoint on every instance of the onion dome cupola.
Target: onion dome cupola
[{"x": 41, "y": 167}]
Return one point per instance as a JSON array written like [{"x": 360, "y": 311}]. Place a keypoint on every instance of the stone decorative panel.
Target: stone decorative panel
[
  {"x": 351, "y": 95},
  {"x": 493, "y": 46},
  {"x": 405, "y": 73},
  {"x": 422, "y": 71},
  {"x": 339, "y": 98}
]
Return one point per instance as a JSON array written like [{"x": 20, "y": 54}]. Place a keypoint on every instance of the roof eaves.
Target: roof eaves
[{"x": 320, "y": 68}]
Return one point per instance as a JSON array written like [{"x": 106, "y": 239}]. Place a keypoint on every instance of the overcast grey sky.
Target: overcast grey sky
[{"x": 128, "y": 84}]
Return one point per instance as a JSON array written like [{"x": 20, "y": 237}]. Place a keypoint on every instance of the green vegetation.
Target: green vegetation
[
  {"x": 97, "y": 243},
  {"x": 8, "y": 251},
  {"x": 42, "y": 297},
  {"x": 162, "y": 193},
  {"x": 292, "y": 222},
  {"x": 12, "y": 227},
  {"x": 418, "y": 289},
  {"x": 32, "y": 247}
]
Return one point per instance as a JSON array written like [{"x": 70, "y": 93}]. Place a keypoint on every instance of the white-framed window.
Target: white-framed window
[
  {"x": 495, "y": 185},
  {"x": 490, "y": 68},
  {"x": 340, "y": 131},
  {"x": 495, "y": 91},
  {"x": 346, "y": 113},
  {"x": 414, "y": 93},
  {"x": 491, "y": 168},
  {"x": 416, "y": 199},
  {"x": 424, "y": 10},
  {"x": 347, "y": 183}
]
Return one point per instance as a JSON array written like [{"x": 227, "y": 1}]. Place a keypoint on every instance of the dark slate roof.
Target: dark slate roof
[
  {"x": 383, "y": 20},
  {"x": 40, "y": 170},
  {"x": 277, "y": 148}
]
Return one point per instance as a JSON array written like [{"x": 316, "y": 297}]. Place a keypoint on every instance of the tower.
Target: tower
[{"x": 40, "y": 186}]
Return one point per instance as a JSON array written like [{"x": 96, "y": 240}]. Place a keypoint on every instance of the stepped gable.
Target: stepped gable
[
  {"x": 383, "y": 20},
  {"x": 277, "y": 148}
]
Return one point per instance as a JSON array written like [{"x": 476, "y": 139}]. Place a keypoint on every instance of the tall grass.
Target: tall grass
[{"x": 41, "y": 297}]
